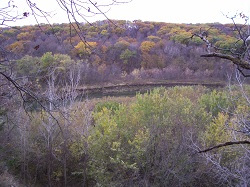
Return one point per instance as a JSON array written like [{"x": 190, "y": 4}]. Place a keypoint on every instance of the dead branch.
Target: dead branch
[
  {"x": 238, "y": 54},
  {"x": 224, "y": 145},
  {"x": 235, "y": 60}
]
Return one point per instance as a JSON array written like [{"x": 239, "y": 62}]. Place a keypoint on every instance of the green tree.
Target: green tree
[
  {"x": 127, "y": 55},
  {"x": 28, "y": 65},
  {"x": 215, "y": 101}
]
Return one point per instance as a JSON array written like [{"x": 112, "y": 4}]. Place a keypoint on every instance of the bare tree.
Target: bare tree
[
  {"x": 68, "y": 98},
  {"x": 238, "y": 53}
]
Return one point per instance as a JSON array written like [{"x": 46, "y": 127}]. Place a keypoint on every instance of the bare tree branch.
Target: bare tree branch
[
  {"x": 203, "y": 36},
  {"x": 238, "y": 53},
  {"x": 224, "y": 145},
  {"x": 235, "y": 60}
]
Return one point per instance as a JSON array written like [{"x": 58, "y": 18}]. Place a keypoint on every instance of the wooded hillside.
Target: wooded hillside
[{"x": 120, "y": 50}]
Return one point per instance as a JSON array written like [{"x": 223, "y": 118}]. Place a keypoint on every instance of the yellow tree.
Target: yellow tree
[
  {"x": 150, "y": 58},
  {"x": 146, "y": 46},
  {"x": 16, "y": 47},
  {"x": 84, "y": 48}
]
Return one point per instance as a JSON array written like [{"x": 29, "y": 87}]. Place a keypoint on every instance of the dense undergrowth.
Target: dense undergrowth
[{"x": 152, "y": 139}]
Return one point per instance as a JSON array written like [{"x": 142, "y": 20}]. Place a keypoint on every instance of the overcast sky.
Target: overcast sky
[{"x": 174, "y": 11}]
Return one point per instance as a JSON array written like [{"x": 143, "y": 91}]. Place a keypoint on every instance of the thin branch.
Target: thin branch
[
  {"x": 243, "y": 73},
  {"x": 22, "y": 90},
  {"x": 224, "y": 145}
]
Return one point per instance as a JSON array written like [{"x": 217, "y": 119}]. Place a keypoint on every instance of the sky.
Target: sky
[{"x": 174, "y": 11}]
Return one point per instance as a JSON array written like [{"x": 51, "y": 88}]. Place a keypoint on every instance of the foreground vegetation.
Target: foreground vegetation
[{"x": 152, "y": 139}]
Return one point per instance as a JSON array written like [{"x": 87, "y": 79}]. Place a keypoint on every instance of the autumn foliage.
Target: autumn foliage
[{"x": 127, "y": 45}]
